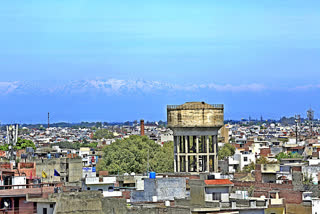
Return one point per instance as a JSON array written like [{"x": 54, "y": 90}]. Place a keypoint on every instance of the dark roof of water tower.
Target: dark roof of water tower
[{"x": 196, "y": 104}]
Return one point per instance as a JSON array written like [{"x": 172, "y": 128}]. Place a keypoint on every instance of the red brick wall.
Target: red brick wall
[
  {"x": 6, "y": 166},
  {"x": 103, "y": 173},
  {"x": 265, "y": 152},
  {"x": 26, "y": 165},
  {"x": 257, "y": 173},
  {"x": 142, "y": 127},
  {"x": 26, "y": 169},
  {"x": 291, "y": 197},
  {"x": 296, "y": 168},
  {"x": 286, "y": 190},
  {"x": 25, "y": 191},
  {"x": 126, "y": 194},
  {"x": 2, "y": 153},
  {"x": 315, "y": 154},
  {"x": 248, "y": 144},
  {"x": 26, "y": 208}
]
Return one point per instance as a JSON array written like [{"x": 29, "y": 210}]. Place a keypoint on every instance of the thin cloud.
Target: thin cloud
[
  {"x": 237, "y": 88},
  {"x": 119, "y": 86},
  {"x": 307, "y": 87},
  {"x": 8, "y": 87}
]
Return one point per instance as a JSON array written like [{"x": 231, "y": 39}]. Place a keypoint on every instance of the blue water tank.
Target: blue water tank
[{"x": 152, "y": 175}]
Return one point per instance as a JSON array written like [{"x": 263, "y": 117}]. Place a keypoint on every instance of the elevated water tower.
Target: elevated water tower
[{"x": 195, "y": 128}]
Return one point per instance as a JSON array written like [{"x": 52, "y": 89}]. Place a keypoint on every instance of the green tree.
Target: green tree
[
  {"x": 307, "y": 179},
  {"x": 98, "y": 124},
  {"x": 163, "y": 160},
  {"x": 283, "y": 155},
  {"x": 251, "y": 190},
  {"x": 23, "y": 143},
  {"x": 4, "y": 147},
  {"x": 226, "y": 151},
  {"x": 102, "y": 133},
  {"x": 91, "y": 145},
  {"x": 67, "y": 145},
  {"x": 131, "y": 155},
  {"x": 249, "y": 168},
  {"x": 284, "y": 140},
  {"x": 264, "y": 160}
]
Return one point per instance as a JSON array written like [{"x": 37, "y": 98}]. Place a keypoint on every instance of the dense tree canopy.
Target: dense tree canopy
[
  {"x": 283, "y": 155},
  {"x": 131, "y": 155},
  {"x": 21, "y": 144},
  {"x": 4, "y": 147},
  {"x": 226, "y": 151},
  {"x": 67, "y": 145},
  {"x": 75, "y": 145},
  {"x": 264, "y": 160},
  {"x": 102, "y": 133},
  {"x": 260, "y": 160},
  {"x": 249, "y": 167}
]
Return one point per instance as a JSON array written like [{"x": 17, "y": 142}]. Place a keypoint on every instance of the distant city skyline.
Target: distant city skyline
[{"x": 117, "y": 61}]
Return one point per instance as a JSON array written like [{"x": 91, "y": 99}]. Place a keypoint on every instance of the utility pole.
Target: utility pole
[
  {"x": 12, "y": 138},
  {"x": 48, "y": 120},
  {"x": 148, "y": 163},
  {"x": 310, "y": 115},
  {"x": 297, "y": 120}
]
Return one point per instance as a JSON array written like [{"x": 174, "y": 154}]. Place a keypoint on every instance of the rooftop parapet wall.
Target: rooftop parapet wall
[{"x": 195, "y": 114}]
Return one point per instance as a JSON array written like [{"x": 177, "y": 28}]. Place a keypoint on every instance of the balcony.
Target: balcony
[{"x": 24, "y": 189}]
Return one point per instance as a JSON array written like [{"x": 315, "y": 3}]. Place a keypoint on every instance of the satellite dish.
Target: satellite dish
[{"x": 6, "y": 203}]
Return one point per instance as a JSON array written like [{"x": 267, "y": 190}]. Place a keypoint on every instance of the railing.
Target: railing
[
  {"x": 194, "y": 106},
  {"x": 25, "y": 186},
  {"x": 19, "y": 210}
]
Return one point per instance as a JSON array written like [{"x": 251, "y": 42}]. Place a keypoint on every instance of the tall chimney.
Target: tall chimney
[{"x": 142, "y": 127}]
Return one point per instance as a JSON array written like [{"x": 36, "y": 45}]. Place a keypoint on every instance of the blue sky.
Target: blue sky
[{"x": 123, "y": 60}]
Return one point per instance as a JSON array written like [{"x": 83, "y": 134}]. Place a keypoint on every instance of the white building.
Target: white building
[{"x": 315, "y": 206}]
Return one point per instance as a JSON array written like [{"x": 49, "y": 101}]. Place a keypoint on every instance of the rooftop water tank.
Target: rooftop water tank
[{"x": 152, "y": 175}]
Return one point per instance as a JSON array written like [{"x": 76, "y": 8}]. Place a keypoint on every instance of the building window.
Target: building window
[
  {"x": 44, "y": 211},
  {"x": 245, "y": 159},
  {"x": 216, "y": 196},
  {"x": 179, "y": 118},
  {"x": 51, "y": 205}
]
